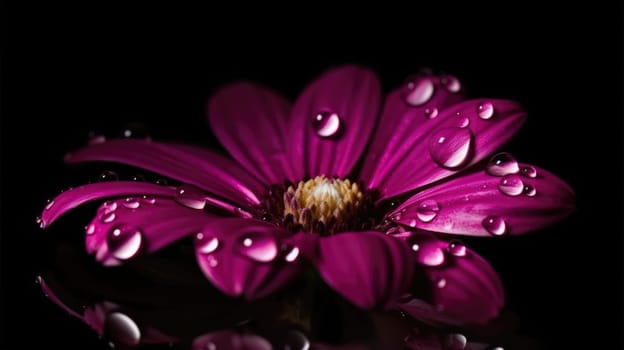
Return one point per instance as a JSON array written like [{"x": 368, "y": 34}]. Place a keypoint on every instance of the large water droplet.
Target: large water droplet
[
  {"x": 108, "y": 217},
  {"x": 121, "y": 329},
  {"x": 450, "y": 147},
  {"x": 124, "y": 241},
  {"x": 191, "y": 197},
  {"x": 131, "y": 203},
  {"x": 427, "y": 210},
  {"x": 485, "y": 110},
  {"x": 456, "y": 248},
  {"x": 529, "y": 191},
  {"x": 428, "y": 250},
  {"x": 455, "y": 341},
  {"x": 261, "y": 248},
  {"x": 327, "y": 124},
  {"x": 451, "y": 83},
  {"x": 502, "y": 164},
  {"x": 108, "y": 175},
  {"x": 529, "y": 171},
  {"x": 511, "y": 185},
  {"x": 419, "y": 91},
  {"x": 206, "y": 244},
  {"x": 495, "y": 225},
  {"x": 431, "y": 113}
]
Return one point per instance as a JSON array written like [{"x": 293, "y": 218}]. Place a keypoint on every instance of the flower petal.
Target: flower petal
[
  {"x": 124, "y": 228},
  {"x": 368, "y": 268},
  {"x": 464, "y": 288},
  {"x": 442, "y": 146},
  {"x": 398, "y": 121},
  {"x": 75, "y": 197},
  {"x": 477, "y": 205},
  {"x": 202, "y": 168},
  {"x": 245, "y": 257},
  {"x": 346, "y": 102},
  {"x": 251, "y": 122}
]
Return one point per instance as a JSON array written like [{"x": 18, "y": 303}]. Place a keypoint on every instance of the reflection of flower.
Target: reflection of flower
[{"x": 304, "y": 190}]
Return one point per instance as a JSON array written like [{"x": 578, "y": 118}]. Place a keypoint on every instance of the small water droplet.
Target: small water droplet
[
  {"x": 529, "y": 191},
  {"x": 191, "y": 196},
  {"x": 108, "y": 217},
  {"x": 162, "y": 182},
  {"x": 464, "y": 122},
  {"x": 266, "y": 217},
  {"x": 212, "y": 261},
  {"x": 502, "y": 164},
  {"x": 206, "y": 244},
  {"x": 427, "y": 210},
  {"x": 94, "y": 138},
  {"x": 38, "y": 280},
  {"x": 456, "y": 248},
  {"x": 431, "y": 113},
  {"x": 90, "y": 229},
  {"x": 135, "y": 131},
  {"x": 149, "y": 199},
  {"x": 108, "y": 175},
  {"x": 485, "y": 110},
  {"x": 419, "y": 91},
  {"x": 49, "y": 204},
  {"x": 455, "y": 341},
  {"x": 441, "y": 283},
  {"x": 429, "y": 252},
  {"x": 109, "y": 206},
  {"x": 124, "y": 241},
  {"x": 451, "y": 83},
  {"x": 511, "y": 185},
  {"x": 415, "y": 247},
  {"x": 495, "y": 225},
  {"x": 450, "y": 147},
  {"x": 292, "y": 255},
  {"x": 529, "y": 171},
  {"x": 122, "y": 329},
  {"x": 139, "y": 178},
  {"x": 327, "y": 124},
  {"x": 131, "y": 203},
  {"x": 39, "y": 221},
  {"x": 258, "y": 247}
]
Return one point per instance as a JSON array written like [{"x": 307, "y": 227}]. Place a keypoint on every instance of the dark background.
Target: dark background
[{"x": 69, "y": 70}]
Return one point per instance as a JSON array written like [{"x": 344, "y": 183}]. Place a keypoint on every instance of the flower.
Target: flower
[{"x": 369, "y": 198}]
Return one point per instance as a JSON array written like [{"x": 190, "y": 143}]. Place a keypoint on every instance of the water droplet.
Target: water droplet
[
  {"x": 431, "y": 113},
  {"x": 122, "y": 329},
  {"x": 149, "y": 199},
  {"x": 456, "y": 248},
  {"x": 108, "y": 176},
  {"x": 495, "y": 348},
  {"x": 294, "y": 340},
  {"x": 495, "y": 225},
  {"x": 206, "y": 244},
  {"x": 162, "y": 182},
  {"x": 131, "y": 203},
  {"x": 441, "y": 283},
  {"x": 90, "y": 229},
  {"x": 451, "y": 83},
  {"x": 135, "y": 131},
  {"x": 528, "y": 171},
  {"x": 242, "y": 213},
  {"x": 327, "y": 124},
  {"x": 124, "y": 241},
  {"x": 266, "y": 217},
  {"x": 455, "y": 341},
  {"x": 529, "y": 191},
  {"x": 292, "y": 255},
  {"x": 427, "y": 210},
  {"x": 109, "y": 206},
  {"x": 511, "y": 185},
  {"x": 191, "y": 197},
  {"x": 39, "y": 221},
  {"x": 139, "y": 178},
  {"x": 212, "y": 261},
  {"x": 261, "y": 248},
  {"x": 485, "y": 110},
  {"x": 49, "y": 204},
  {"x": 450, "y": 147},
  {"x": 38, "y": 280},
  {"x": 415, "y": 247},
  {"x": 419, "y": 91},
  {"x": 94, "y": 138},
  {"x": 463, "y": 122},
  {"x": 108, "y": 217},
  {"x": 429, "y": 252},
  {"x": 502, "y": 164}
]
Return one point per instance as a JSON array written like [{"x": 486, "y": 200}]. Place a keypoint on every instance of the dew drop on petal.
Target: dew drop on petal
[
  {"x": 108, "y": 217},
  {"x": 415, "y": 247},
  {"x": 108, "y": 175},
  {"x": 428, "y": 250},
  {"x": 463, "y": 122},
  {"x": 149, "y": 199},
  {"x": 511, "y": 185},
  {"x": 495, "y": 225},
  {"x": 529, "y": 191},
  {"x": 294, "y": 340},
  {"x": 455, "y": 341},
  {"x": 49, "y": 204},
  {"x": 456, "y": 248},
  {"x": 190, "y": 196},
  {"x": 451, "y": 83},
  {"x": 441, "y": 283},
  {"x": 212, "y": 261},
  {"x": 39, "y": 221},
  {"x": 292, "y": 255},
  {"x": 162, "y": 182},
  {"x": 122, "y": 329},
  {"x": 90, "y": 229},
  {"x": 485, "y": 110},
  {"x": 206, "y": 244},
  {"x": 124, "y": 241},
  {"x": 109, "y": 206},
  {"x": 450, "y": 147},
  {"x": 427, "y": 210},
  {"x": 131, "y": 203},
  {"x": 419, "y": 91},
  {"x": 502, "y": 164},
  {"x": 261, "y": 248},
  {"x": 431, "y": 113},
  {"x": 529, "y": 171},
  {"x": 327, "y": 124}
]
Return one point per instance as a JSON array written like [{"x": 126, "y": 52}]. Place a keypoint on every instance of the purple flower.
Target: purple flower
[{"x": 369, "y": 196}]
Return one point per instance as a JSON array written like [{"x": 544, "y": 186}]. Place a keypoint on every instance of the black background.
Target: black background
[{"x": 68, "y": 70}]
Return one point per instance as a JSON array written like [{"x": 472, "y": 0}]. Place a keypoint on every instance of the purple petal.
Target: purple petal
[
  {"x": 368, "y": 268},
  {"x": 226, "y": 339},
  {"x": 75, "y": 197},
  {"x": 442, "y": 146},
  {"x": 333, "y": 119},
  {"x": 49, "y": 293},
  {"x": 124, "y": 228},
  {"x": 398, "y": 123},
  {"x": 202, "y": 168},
  {"x": 251, "y": 122},
  {"x": 246, "y": 257},
  {"x": 464, "y": 289},
  {"x": 481, "y": 205}
]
